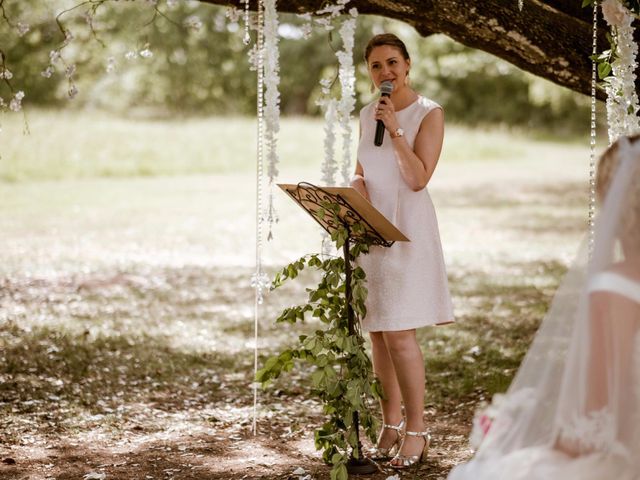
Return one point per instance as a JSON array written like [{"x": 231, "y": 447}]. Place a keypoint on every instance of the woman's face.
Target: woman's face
[{"x": 386, "y": 63}]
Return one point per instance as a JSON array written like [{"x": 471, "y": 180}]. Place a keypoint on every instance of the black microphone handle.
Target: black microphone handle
[{"x": 377, "y": 141}]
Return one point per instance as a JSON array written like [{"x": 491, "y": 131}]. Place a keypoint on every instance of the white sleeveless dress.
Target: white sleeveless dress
[{"x": 407, "y": 282}]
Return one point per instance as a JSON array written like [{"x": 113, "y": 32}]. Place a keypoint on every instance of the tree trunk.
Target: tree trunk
[{"x": 549, "y": 38}]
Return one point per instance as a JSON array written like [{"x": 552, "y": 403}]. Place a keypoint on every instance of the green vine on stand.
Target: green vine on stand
[{"x": 343, "y": 377}]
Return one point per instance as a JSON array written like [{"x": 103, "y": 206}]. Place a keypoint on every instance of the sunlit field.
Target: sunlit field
[
  {"x": 126, "y": 312},
  {"x": 72, "y": 144}
]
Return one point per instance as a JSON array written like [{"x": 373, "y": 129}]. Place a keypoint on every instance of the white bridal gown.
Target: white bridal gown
[{"x": 573, "y": 410}]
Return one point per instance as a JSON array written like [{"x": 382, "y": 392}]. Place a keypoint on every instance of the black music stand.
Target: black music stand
[{"x": 354, "y": 209}]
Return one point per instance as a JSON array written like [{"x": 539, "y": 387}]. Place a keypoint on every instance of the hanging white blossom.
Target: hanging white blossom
[
  {"x": 329, "y": 105},
  {"x": 15, "y": 105},
  {"x": 346, "y": 73},
  {"x": 307, "y": 26},
  {"x": 329, "y": 164},
  {"x": 272, "y": 101},
  {"x": 325, "y": 16},
  {"x": 622, "y": 98},
  {"x": 22, "y": 29},
  {"x": 5, "y": 74}
]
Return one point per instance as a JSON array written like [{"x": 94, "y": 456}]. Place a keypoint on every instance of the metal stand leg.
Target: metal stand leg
[{"x": 355, "y": 465}]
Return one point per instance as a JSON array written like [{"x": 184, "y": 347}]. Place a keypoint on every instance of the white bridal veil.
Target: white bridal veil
[{"x": 573, "y": 410}]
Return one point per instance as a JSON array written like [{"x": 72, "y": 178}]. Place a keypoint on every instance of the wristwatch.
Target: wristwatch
[{"x": 398, "y": 133}]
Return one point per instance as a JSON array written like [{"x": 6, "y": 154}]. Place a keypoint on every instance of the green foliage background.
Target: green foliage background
[{"x": 207, "y": 72}]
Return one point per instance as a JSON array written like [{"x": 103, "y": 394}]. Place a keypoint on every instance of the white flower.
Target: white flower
[
  {"x": 131, "y": 55},
  {"x": 6, "y": 74},
  {"x": 346, "y": 73},
  {"x": 146, "y": 53},
  {"x": 172, "y": 3},
  {"x": 622, "y": 98},
  {"x": 70, "y": 70},
  {"x": 233, "y": 14},
  {"x": 54, "y": 56},
  {"x": 614, "y": 12},
  {"x": 68, "y": 36},
  {"x": 193, "y": 23},
  {"x": 326, "y": 84},
  {"x": 307, "y": 29},
  {"x": 47, "y": 72},
  {"x": 325, "y": 22},
  {"x": 73, "y": 91},
  {"x": 15, "y": 105},
  {"x": 111, "y": 65},
  {"x": 22, "y": 28}
]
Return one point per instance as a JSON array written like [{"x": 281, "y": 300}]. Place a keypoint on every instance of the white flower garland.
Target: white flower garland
[
  {"x": 272, "y": 102},
  {"x": 347, "y": 102},
  {"x": 329, "y": 165},
  {"x": 330, "y": 106},
  {"x": 622, "y": 99}
]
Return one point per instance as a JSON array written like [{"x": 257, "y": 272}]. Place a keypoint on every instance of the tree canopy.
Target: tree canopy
[{"x": 549, "y": 38}]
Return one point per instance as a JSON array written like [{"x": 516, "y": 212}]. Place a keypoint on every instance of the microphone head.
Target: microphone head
[{"x": 386, "y": 88}]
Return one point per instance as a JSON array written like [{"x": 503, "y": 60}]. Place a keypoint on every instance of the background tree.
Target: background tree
[{"x": 191, "y": 60}]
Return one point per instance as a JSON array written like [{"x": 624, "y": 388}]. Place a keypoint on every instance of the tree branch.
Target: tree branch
[{"x": 549, "y": 38}]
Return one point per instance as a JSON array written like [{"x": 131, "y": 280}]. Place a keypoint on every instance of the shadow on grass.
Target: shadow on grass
[{"x": 94, "y": 397}]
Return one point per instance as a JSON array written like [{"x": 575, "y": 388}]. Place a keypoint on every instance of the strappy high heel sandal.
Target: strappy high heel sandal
[
  {"x": 379, "y": 453},
  {"x": 407, "y": 461}
]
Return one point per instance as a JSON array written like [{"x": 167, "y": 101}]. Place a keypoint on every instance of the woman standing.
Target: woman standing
[{"x": 407, "y": 282}]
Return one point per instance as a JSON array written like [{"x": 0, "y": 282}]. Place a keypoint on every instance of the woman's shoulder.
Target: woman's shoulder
[
  {"x": 427, "y": 104},
  {"x": 423, "y": 106}
]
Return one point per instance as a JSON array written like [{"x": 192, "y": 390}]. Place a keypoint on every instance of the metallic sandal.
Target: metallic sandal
[
  {"x": 410, "y": 460},
  {"x": 379, "y": 453}
]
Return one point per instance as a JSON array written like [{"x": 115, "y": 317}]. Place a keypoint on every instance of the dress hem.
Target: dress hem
[{"x": 409, "y": 326}]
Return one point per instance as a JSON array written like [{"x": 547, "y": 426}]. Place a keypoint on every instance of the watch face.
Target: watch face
[{"x": 399, "y": 132}]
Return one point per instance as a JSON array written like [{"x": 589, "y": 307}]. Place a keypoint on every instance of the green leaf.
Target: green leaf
[
  {"x": 604, "y": 69},
  {"x": 339, "y": 472},
  {"x": 317, "y": 378}
]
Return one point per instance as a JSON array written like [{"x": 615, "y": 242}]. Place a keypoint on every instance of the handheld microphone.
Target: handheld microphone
[{"x": 386, "y": 88}]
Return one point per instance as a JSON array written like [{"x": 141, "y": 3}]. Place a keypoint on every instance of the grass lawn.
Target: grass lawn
[{"x": 126, "y": 314}]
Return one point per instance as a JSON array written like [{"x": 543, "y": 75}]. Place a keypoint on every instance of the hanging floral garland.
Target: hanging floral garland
[
  {"x": 272, "y": 104},
  {"x": 622, "y": 98},
  {"x": 329, "y": 166},
  {"x": 329, "y": 106},
  {"x": 346, "y": 73}
]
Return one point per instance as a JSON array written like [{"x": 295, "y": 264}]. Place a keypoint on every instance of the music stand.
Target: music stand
[{"x": 354, "y": 209}]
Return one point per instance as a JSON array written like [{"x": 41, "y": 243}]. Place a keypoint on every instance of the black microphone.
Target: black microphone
[{"x": 386, "y": 88}]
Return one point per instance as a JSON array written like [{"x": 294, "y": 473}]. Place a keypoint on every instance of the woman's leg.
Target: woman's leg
[
  {"x": 408, "y": 363},
  {"x": 391, "y": 405}
]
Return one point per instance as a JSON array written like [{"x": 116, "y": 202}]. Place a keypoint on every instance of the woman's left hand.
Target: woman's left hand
[{"x": 386, "y": 112}]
